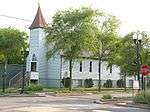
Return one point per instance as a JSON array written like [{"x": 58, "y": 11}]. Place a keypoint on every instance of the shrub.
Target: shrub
[
  {"x": 108, "y": 96},
  {"x": 139, "y": 98},
  {"x": 142, "y": 98},
  {"x": 88, "y": 83},
  {"x": 148, "y": 84},
  {"x": 66, "y": 82},
  {"x": 34, "y": 87},
  {"x": 108, "y": 83},
  {"x": 120, "y": 83},
  {"x": 147, "y": 97}
]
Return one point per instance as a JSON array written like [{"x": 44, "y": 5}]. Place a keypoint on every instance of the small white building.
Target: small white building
[{"x": 50, "y": 72}]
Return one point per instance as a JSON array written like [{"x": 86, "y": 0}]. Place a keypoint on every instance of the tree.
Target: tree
[
  {"x": 123, "y": 58},
  {"x": 72, "y": 32},
  {"x": 126, "y": 57},
  {"x": 12, "y": 42},
  {"x": 107, "y": 40}
]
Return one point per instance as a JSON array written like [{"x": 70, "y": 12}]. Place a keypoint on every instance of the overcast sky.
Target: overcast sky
[{"x": 133, "y": 14}]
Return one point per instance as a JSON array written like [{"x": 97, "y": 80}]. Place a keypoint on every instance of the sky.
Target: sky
[{"x": 133, "y": 14}]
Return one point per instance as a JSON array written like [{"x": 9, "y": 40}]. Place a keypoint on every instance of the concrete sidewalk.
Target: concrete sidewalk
[{"x": 41, "y": 109}]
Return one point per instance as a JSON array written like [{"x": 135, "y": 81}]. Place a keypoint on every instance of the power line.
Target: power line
[{"x": 11, "y": 17}]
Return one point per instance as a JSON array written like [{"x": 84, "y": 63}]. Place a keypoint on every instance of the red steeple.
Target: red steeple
[{"x": 39, "y": 21}]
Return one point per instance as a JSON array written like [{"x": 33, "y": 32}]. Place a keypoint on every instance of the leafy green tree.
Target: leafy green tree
[
  {"x": 12, "y": 42},
  {"x": 106, "y": 43},
  {"x": 72, "y": 32},
  {"x": 126, "y": 57}
]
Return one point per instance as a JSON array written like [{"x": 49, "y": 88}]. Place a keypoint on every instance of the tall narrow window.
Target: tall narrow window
[
  {"x": 90, "y": 66},
  {"x": 33, "y": 67},
  {"x": 111, "y": 69},
  {"x": 80, "y": 66}
]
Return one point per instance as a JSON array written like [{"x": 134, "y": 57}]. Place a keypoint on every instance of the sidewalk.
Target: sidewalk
[{"x": 41, "y": 109}]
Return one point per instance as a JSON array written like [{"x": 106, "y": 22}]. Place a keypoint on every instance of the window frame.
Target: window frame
[
  {"x": 90, "y": 68},
  {"x": 81, "y": 68},
  {"x": 32, "y": 68}
]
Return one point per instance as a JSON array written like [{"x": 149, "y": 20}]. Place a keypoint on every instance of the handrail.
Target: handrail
[
  {"x": 14, "y": 78},
  {"x": 27, "y": 76},
  {"x": 19, "y": 79}
]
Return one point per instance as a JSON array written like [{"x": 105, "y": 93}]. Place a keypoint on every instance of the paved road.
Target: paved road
[{"x": 59, "y": 104}]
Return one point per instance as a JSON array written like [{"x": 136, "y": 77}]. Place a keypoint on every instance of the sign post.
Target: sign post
[{"x": 144, "y": 71}]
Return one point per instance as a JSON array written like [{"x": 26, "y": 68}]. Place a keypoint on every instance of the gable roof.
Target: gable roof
[{"x": 39, "y": 21}]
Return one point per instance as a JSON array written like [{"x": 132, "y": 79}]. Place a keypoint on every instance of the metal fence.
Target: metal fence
[{"x": 12, "y": 71}]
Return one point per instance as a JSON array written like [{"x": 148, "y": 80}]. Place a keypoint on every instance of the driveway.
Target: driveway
[{"x": 59, "y": 104}]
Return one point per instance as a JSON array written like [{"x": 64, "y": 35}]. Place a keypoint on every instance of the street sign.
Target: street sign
[{"x": 144, "y": 70}]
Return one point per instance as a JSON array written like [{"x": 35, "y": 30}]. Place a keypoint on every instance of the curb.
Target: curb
[
  {"x": 22, "y": 96},
  {"x": 133, "y": 105},
  {"x": 99, "y": 102},
  {"x": 144, "y": 106}
]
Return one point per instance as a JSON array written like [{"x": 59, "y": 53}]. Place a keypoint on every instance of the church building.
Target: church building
[{"x": 50, "y": 72}]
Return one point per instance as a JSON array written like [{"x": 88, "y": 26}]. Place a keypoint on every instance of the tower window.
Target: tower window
[
  {"x": 34, "y": 58},
  {"x": 80, "y": 66},
  {"x": 90, "y": 66},
  {"x": 33, "y": 67}
]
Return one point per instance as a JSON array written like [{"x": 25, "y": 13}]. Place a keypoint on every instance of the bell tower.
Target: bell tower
[{"x": 36, "y": 61}]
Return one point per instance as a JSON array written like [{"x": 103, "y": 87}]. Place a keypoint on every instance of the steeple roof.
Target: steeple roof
[{"x": 39, "y": 21}]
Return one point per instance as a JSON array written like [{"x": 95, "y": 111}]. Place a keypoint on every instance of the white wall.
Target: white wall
[
  {"x": 43, "y": 65},
  {"x": 54, "y": 65},
  {"x": 33, "y": 47},
  {"x": 37, "y": 47},
  {"x": 105, "y": 72}
]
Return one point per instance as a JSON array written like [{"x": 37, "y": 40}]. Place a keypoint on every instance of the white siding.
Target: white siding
[
  {"x": 105, "y": 72},
  {"x": 33, "y": 47},
  {"x": 42, "y": 56},
  {"x": 37, "y": 47},
  {"x": 54, "y": 64}
]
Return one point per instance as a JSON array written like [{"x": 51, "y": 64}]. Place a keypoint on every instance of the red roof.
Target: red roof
[{"x": 39, "y": 21}]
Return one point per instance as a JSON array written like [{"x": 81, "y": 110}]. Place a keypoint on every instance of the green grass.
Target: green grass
[
  {"x": 107, "y": 96},
  {"x": 87, "y": 90},
  {"x": 8, "y": 91},
  {"x": 142, "y": 97},
  {"x": 38, "y": 88}
]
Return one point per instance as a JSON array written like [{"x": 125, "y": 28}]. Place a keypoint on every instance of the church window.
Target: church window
[
  {"x": 80, "y": 66},
  {"x": 111, "y": 69},
  {"x": 90, "y": 66},
  {"x": 34, "y": 58},
  {"x": 33, "y": 67}
]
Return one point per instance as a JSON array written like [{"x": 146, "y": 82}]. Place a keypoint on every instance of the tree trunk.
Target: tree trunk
[
  {"x": 99, "y": 74},
  {"x": 61, "y": 71},
  {"x": 4, "y": 75},
  {"x": 70, "y": 69},
  {"x": 125, "y": 88}
]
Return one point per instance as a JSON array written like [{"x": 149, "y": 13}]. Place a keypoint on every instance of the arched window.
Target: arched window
[{"x": 34, "y": 58}]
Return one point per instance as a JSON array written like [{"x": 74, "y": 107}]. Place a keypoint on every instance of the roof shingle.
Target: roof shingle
[{"x": 39, "y": 21}]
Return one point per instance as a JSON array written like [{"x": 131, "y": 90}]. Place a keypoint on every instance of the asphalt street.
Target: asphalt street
[{"x": 59, "y": 104}]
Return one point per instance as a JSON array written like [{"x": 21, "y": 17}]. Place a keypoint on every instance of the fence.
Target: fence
[{"x": 12, "y": 71}]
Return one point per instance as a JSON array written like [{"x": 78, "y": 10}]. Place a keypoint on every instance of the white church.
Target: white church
[{"x": 50, "y": 72}]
